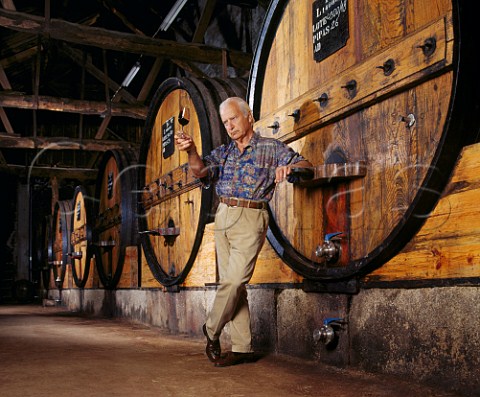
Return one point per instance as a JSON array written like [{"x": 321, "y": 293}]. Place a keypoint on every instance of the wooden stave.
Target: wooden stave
[
  {"x": 61, "y": 212},
  {"x": 444, "y": 158},
  {"x": 206, "y": 95},
  {"x": 126, "y": 162},
  {"x": 87, "y": 209}
]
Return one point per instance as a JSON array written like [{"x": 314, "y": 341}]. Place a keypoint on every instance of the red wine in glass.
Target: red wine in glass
[{"x": 184, "y": 117}]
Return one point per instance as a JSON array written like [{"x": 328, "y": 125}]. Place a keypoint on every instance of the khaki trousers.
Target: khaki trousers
[{"x": 239, "y": 237}]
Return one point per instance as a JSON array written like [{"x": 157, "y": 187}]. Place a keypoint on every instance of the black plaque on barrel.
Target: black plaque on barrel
[
  {"x": 168, "y": 144},
  {"x": 330, "y": 27}
]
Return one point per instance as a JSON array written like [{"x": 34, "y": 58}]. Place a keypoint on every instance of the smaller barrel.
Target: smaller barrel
[
  {"x": 115, "y": 224},
  {"x": 81, "y": 236},
  {"x": 60, "y": 242}
]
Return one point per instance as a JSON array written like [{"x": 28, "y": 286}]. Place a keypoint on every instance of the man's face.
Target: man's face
[{"x": 238, "y": 125}]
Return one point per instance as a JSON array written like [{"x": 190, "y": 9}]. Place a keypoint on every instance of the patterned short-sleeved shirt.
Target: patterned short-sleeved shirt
[{"x": 251, "y": 174}]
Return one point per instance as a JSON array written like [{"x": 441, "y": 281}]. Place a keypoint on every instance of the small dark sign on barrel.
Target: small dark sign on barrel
[
  {"x": 329, "y": 27},
  {"x": 168, "y": 143}
]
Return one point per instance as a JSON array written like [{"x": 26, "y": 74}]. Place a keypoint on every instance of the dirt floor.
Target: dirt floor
[{"x": 47, "y": 351}]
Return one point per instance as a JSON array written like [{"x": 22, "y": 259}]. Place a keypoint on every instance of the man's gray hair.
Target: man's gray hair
[{"x": 242, "y": 104}]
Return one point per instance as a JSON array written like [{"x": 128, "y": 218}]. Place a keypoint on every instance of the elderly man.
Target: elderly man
[{"x": 245, "y": 172}]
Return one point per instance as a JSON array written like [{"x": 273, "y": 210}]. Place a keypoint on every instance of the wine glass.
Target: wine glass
[{"x": 184, "y": 117}]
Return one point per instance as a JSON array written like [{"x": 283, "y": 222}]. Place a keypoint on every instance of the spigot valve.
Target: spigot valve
[
  {"x": 329, "y": 250},
  {"x": 327, "y": 332}
]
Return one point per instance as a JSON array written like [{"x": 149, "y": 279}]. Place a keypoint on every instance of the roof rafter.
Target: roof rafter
[
  {"x": 56, "y": 143},
  {"x": 102, "y": 38},
  {"x": 42, "y": 102}
]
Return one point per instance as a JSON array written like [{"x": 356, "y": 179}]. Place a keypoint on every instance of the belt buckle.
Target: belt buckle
[{"x": 238, "y": 202}]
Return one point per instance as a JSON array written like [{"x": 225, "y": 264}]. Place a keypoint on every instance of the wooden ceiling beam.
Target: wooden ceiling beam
[
  {"x": 204, "y": 21},
  {"x": 106, "y": 120},
  {"x": 150, "y": 80},
  {"x": 6, "y": 121},
  {"x": 28, "y": 53},
  {"x": 148, "y": 83},
  {"x": 188, "y": 66},
  {"x": 5, "y": 83},
  {"x": 122, "y": 18},
  {"x": 118, "y": 41},
  {"x": 15, "y": 100},
  {"x": 82, "y": 174},
  {"x": 198, "y": 37},
  {"x": 7, "y": 141},
  {"x": 77, "y": 56},
  {"x": 19, "y": 57}
]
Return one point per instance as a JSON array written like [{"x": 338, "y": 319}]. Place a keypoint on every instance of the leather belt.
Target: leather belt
[{"x": 245, "y": 203}]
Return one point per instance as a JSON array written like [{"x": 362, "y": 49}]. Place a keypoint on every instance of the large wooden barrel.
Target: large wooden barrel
[
  {"x": 115, "y": 214},
  {"x": 60, "y": 241},
  {"x": 174, "y": 209},
  {"x": 381, "y": 97},
  {"x": 81, "y": 236}
]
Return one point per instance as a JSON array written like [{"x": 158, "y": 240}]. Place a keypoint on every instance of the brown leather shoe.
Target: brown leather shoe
[
  {"x": 234, "y": 358},
  {"x": 213, "y": 348}
]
